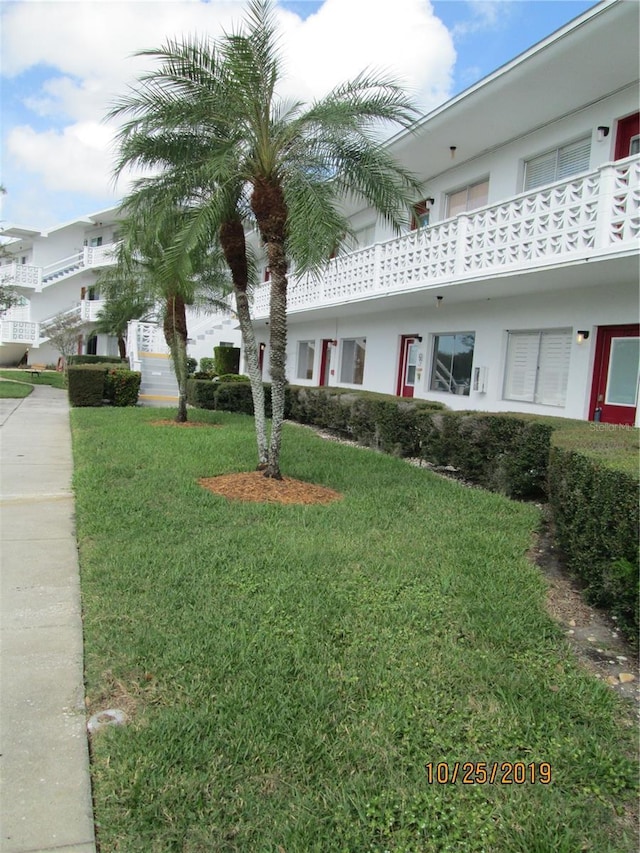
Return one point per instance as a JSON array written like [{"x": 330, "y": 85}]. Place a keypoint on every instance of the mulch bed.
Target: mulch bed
[{"x": 254, "y": 486}]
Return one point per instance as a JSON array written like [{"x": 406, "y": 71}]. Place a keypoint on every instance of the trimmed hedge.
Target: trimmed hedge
[
  {"x": 86, "y": 384},
  {"x": 226, "y": 360},
  {"x": 596, "y": 519},
  {"x": 225, "y": 396},
  {"x": 122, "y": 386},
  {"x": 97, "y": 359}
]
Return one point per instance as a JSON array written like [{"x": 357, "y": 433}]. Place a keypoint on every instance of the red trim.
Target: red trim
[
  {"x": 627, "y": 128},
  {"x": 325, "y": 356},
  {"x": 403, "y": 390},
  {"x": 610, "y": 414}
]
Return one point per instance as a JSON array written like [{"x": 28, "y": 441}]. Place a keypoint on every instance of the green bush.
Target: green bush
[
  {"x": 192, "y": 365},
  {"x": 203, "y": 374},
  {"x": 596, "y": 519},
  {"x": 121, "y": 386},
  {"x": 207, "y": 365},
  {"x": 228, "y": 396},
  {"x": 97, "y": 359},
  {"x": 233, "y": 377},
  {"x": 226, "y": 360},
  {"x": 86, "y": 384},
  {"x": 201, "y": 393}
]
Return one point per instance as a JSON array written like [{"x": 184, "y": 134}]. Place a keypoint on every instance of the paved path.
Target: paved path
[{"x": 45, "y": 791}]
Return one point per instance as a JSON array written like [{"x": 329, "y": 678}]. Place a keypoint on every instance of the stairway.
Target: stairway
[{"x": 158, "y": 386}]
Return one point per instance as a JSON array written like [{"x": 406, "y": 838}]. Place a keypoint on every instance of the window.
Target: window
[
  {"x": 538, "y": 366},
  {"x": 468, "y": 198},
  {"x": 421, "y": 213},
  {"x": 352, "y": 367},
  {"x": 366, "y": 236},
  {"x": 306, "y": 355},
  {"x": 557, "y": 164},
  {"x": 452, "y": 359}
]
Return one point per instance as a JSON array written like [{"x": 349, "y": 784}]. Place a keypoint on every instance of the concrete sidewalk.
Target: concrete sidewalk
[{"x": 45, "y": 794}]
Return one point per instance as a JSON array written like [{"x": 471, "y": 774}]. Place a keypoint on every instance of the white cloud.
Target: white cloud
[
  {"x": 77, "y": 56},
  {"x": 75, "y": 159},
  {"x": 485, "y": 15}
]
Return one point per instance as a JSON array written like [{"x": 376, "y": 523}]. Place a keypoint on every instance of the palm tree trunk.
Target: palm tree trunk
[
  {"x": 278, "y": 352},
  {"x": 175, "y": 333},
  {"x": 253, "y": 368},
  {"x": 122, "y": 347},
  {"x": 270, "y": 209},
  {"x": 232, "y": 241}
]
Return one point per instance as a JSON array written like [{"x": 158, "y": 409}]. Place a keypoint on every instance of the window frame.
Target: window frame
[
  {"x": 466, "y": 188},
  {"x": 537, "y": 379},
  {"x": 356, "y": 370},
  {"x": 584, "y": 141},
  {"x": 435, "y": 338},
  {"x": 310, "y": 345}
]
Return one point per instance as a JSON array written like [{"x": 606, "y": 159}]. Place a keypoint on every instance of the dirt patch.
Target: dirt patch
[
  {"x": 169, "y": 422},
  {"x": 254, "y": 486},
  {"x": 594, "y": 636}
]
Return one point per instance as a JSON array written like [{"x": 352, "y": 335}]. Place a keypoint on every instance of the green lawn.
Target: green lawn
[
  {"x": 48, "y": 377},
  {"x": 14, "y": 390},
  {"x": 290, "y": 672}
]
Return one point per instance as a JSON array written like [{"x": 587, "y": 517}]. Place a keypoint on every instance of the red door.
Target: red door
[
  {"x": 325, "y": 361},
  {"x": 614, "y": 394},
  {"x": 407, "y": 366},
  {"x": 628, "y": 136}
]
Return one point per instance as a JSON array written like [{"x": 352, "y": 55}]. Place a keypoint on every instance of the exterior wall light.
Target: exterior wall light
[
  {"x": 603, "y": 132},
  {"x": 581, "y": 336},
  {"x": 439, "y": 301},
  {"x": 453, "y": 149}
]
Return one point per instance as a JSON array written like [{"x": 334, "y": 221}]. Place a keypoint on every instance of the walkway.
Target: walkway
[{"x": 45, "y": 794}]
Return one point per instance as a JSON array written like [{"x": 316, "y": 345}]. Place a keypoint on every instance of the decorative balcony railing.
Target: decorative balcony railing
[
  {"x": 592, "y": 215},
  {"x": 90, "y": 308},
  {"x": 35, "y": 278},
  {"x": 19, "y": 332}
]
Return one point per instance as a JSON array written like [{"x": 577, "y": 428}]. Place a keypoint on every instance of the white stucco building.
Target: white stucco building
[
  {"x": 515, "y": 284},
  {"x": 55, "y": 271}
]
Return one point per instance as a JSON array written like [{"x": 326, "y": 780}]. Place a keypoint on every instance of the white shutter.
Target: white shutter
[
  {"x": 522, "y": 360},
  {"x": 540, "y": 171},
  {"x": 573, "y": 159},
  {"x": 553, "y": 367}
]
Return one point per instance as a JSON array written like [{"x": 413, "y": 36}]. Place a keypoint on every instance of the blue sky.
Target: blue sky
[{"x": 65, "y": 61}]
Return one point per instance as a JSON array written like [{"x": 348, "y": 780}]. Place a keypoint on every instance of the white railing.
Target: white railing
[
  {"x": 591, "y": 215},
  {"x": 90, "y": 257},
  {"x": 19, "y": 332},
  {"x": 20, "y": 275},
  {"x": 143, "y": 338},
  {"x": 90, "y": 308}
]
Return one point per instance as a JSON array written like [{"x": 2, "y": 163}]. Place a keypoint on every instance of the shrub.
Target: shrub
[
  {"x": 226, "y": 360},
  {"x": 86, "y": 384},
  {"x": 596, "y": 518},
  {"x": 207, "y": 365},
  {"x": 233, "y": 397},
  {"x": 97, "y": 359},
  {"x": 203, "y": 374},
  {"x": 192, "y": 365},
  {"x": 122, "y": 386},
  {"x": 201, "y": 393},
  {"x": 233, "y": 377}
]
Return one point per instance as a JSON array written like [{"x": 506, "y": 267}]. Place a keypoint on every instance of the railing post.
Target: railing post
[
  {"x": 606, "y": 187},
  {"x": 462, "y": 225},
  {"x": 377, "y": 267}
]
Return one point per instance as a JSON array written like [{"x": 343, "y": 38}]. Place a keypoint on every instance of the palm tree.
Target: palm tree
[
  {"x": 295, "y": 166},
  {"x": 122, "y": 304},
  {"x": 148, "y": 230}
]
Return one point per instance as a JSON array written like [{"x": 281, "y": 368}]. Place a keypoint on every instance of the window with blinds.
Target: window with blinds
[
  {"x": 557, "y": 164},
  {"x": 537, "y": 369},
  {"x": 468, "y": 198}
]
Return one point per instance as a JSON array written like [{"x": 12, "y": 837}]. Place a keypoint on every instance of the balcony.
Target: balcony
[
  {"x": 19, "y": 332},
  {"x": 24, "y": 276},
  {"x": 593, "y": 216}
]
